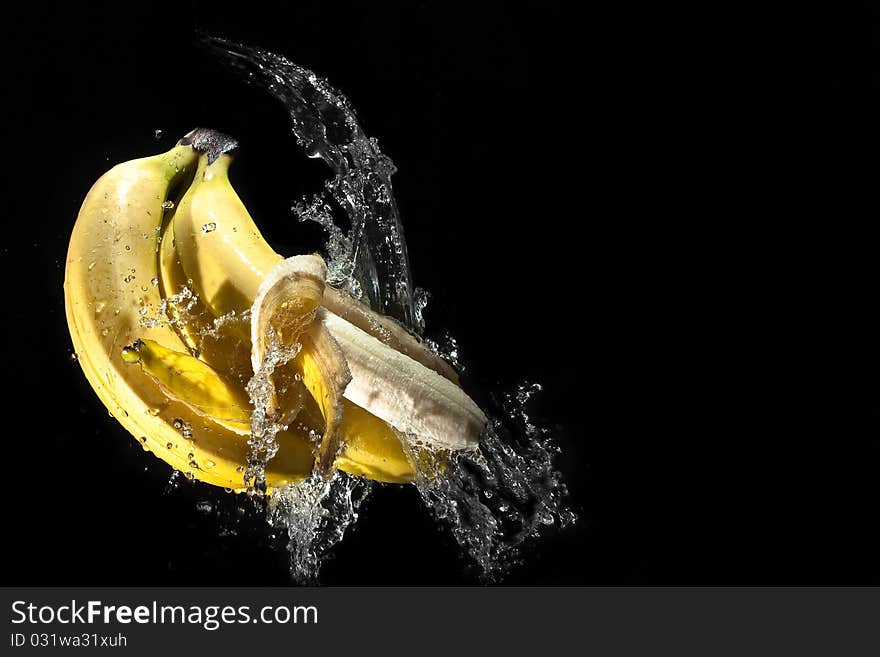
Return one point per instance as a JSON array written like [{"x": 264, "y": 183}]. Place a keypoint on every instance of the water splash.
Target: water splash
[
  {"x": 495, "y": 500},
  {"x": 325, "y": 126},
  {"x": 316, "y": 512},
  {"x": 174, "y": 310},
  {"x": 421, "y": 298},
  {"x": 446, "y": 346},
  {"x": 341, "y": 269},
  {"x": 265, "y": 423},
  {"x": 225, "y": 324}
]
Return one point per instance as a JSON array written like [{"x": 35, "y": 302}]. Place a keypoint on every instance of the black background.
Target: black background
[{"x": 523, "y": 164}]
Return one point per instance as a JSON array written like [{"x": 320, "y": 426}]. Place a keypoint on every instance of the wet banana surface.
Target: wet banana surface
[{"x": 237, "y": 366}]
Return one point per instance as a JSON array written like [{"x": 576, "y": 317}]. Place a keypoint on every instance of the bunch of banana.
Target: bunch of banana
[{"x": 181, "y": 316}]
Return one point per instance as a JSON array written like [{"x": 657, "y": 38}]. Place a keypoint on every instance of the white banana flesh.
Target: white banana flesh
[{"x": 410, "y": 397}]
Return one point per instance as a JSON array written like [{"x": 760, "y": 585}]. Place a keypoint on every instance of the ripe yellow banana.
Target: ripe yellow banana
[
  {"x": 170, "y": 336},
  {"x": 109, "y": 288}
]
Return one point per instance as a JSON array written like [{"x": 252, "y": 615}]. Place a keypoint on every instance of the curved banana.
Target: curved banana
[
  {"x": 109, "y": 289},
  {"x": 194, "y": 383},
  {"x": 222, "y": 345},
  {"x": 212, "y": 231}
]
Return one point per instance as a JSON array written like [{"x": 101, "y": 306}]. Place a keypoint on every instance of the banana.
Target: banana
[
  {"x": 213, "y": 230},
  {"x": 194, "y": 383},
  {"x": 109, "y": 289},
  {"x": 223, "y": 345},
  {"x": 357, "y": 377}
]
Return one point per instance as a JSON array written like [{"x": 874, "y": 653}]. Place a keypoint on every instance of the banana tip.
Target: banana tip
[{"x": 130, "y": 354}]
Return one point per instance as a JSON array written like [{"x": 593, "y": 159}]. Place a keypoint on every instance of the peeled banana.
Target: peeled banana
[{"x": 178, "y": 308}]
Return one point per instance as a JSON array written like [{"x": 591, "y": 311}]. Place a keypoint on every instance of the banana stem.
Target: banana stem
[{"x": 210, "y": 142}]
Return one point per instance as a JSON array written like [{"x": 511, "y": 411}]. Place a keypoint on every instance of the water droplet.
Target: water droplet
[
  {"x": 99, "y": 306},
  {"x": 178, "y": 424},
  {"x": 227, "y": 490},
  {"x": 190, "y": 455},
  {"x": 157, "y": 134},
  {"x": 209, "y": 464},
  {"x": 209, "y": 227},
  {"x": 127, "y": 247},
  {"x": 193, "y": 464},
  {"x": 240, "y": 469},
  {"x": 169, "y": 445},
  {"x": 154, "y": 281},
  {"x": 297, "y": 377},
  {"x": 153, "y": 411},
  {"x": 105, "y": 332},
  {"x": 144, "y": 288},
  {"x": 142, "y": 312},
  {"x": 172, "y": 484},
  {"x": 91, "y": 265},
  {"x": 168, "y": 205},
  {"x": 143, "y": 439},
  {"x": 74, "y": 357},
  {"x": 189, "y": 475}
]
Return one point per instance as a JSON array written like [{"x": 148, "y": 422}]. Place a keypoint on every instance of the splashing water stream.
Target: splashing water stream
[
  {"x": 264, "y": 424},
  {"x": 316, "y": 512},
  {"x": 493, "y": 500},
  {"x": 371, "y": 259}
]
